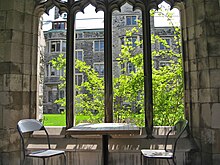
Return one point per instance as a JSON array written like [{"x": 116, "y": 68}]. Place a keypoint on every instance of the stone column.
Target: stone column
[
  {"x": 201, "y": 31},
  {"x": 18, "y": 73}
]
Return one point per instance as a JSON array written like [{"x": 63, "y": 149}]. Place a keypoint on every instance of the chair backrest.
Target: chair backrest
[
  {"x": 180, "y": 127},
  {"x": 29, "y": 126}
]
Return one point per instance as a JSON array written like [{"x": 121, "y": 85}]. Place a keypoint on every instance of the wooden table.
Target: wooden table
[{"x": 104, "y": 129}]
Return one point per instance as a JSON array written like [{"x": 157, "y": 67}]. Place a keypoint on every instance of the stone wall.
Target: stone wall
[
  {"x": 18, "y": 70},
  {"x": 201, "y": 24}
]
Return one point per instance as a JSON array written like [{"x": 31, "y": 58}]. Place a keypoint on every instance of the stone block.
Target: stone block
[
  {"x": 193, "y": 65},
  {"x": 187, "y": 81},
  {"x": 206, "y": 158},
  {"x": 195, "y": 95},
  {"x": 196, "y": 115},
  {"x": 200, "y": 12},
  {"x": 206, "y": 118},
  {"x": 186, "y": 66},
  {"x": 16, "y": 100},
  {"x": 11, "y": 158},
  {"x": 215, "y": 159},
  {"x": 203, "y": 63},
  {"x": 202, "y": 47},
  {"x": 204, "y": 80},
  {"x": 211, "y": 8},
  {"x": 214, "y": 46},
  {"x": 28, "y": 39},
  {"x": 14, "y": 117},
  {"x": 26, "y": 69},
  {"x": 6, "y": 36},
  {"x": 192, "y": 49},
  {"x": 213, "y": 62},
  {"x": 15, "y": 82},
  {"x": 1, "y": 118},
  {"x": 215, "y": 115},
  {"x": 4, "y": 68},
  {"x": 194, "y": 80},
  {"x": 17, "y": 52},
  {"x": 15, "y": 20},
  {"x": 214, "y": 76},
  {"x": 214, "y": 95},
  {"x": 216, "y": 145},
  {"x": 25, "y": 111},
  {"x": 29, "y": 6},
  {"x": 191, "y": 33},
  {"x": 200, "y": 30},
  {"x": 2, "y": 18},
  {"x": 1, "y": 82},
  {"x": 207, "y": 139},
  {"x": 27, "y": 54},
  {"x": 190, "y": 21},
  {"x": 28, "y": 28},
  {"x": 5, "y": 53},
  {"x": 5, "y": 98},
  {"x": 204, "y": 95},
  {"x": 217, "y": 28},
  {"x": 26, "y": 83},
  {"x": 189, "y": 3}
]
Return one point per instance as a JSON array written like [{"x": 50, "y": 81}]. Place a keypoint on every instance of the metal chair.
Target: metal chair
[
  {"x": 29, "y": 126},
  {"x": 179, "y": 129}
]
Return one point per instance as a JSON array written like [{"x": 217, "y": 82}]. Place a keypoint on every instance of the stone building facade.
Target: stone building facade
[{"x": 19, "y": 86}]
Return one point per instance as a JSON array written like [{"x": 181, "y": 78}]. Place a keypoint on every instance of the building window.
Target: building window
[
  {"x": 99, "y": 45},
  {"x": 78, "y": 79},
  {"x": 168, "y": 42},
  {"x": 131, "y": 20},
  {"x": 130, "y": 68},
  {"x": 59, "y": 25},
  {"x": 52, "y": 72},
  {"x": 50, "y": 96},
  {"x": 131, "y": 41},
  {"x": 55, "y": 46},
  {"x": 79, "y": 55},
  {"x": 79, "y": 35},
  {"x": 164, "y": 63},
  {"x": 99, "y": 67},
  {"x": 63, "y": 46},
  {"x": 61, "y": 94}
]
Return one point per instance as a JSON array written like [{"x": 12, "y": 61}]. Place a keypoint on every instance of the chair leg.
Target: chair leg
[
  {"x": 43, "y": 161},
  {"x": 65, "y": 160},
  {"x": 168, "y": 161}
]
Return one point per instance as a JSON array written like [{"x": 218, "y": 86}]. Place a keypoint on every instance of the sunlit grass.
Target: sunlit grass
[{"x": 60, "y": 119}]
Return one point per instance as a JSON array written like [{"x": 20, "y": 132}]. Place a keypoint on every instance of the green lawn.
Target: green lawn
[{"x": 60, "y": 119}]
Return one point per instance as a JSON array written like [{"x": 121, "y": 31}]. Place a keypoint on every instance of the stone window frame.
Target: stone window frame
[
  {"x": 76, "y": 54},
  {"x": 62, "y": 49},
  {"x": 131, "y": 17},
  {"x": 49, "y": 69},
  {"x": 100, "y": 49},
  {"x": 161, "y": 46},
  {"x": 108, "y": 6},
  {"x": 99, "y": 64},
  {"x": 76, "y": 78},
  {"x": 138, "y": 38}
]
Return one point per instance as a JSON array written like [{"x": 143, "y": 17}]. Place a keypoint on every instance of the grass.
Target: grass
[{"x": 60, "y": 119}]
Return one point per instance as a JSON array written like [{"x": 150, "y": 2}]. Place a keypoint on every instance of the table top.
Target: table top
[{"x": 104, "y": 129}]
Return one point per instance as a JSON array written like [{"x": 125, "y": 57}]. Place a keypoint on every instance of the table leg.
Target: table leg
[{"x": 105, "y": 139}]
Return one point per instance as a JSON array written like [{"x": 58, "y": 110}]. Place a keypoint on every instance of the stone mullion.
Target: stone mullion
[
  {"x": 148, "y": 94},
  {"x": 108, "y": 66},
  {"x": 70, "y": 70}
]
